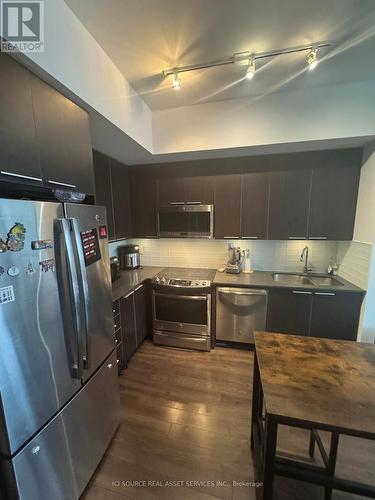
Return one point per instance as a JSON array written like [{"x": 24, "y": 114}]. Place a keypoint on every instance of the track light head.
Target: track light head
[
  {"x": 250, "y": 72},
  {"x": 176, "y": 82},
  {"x": 312, "y": 59}
]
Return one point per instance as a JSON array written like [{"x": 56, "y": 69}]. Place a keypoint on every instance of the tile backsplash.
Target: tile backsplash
[
  {"x": 354, "y": 258},
  {"x": 265, "y": 255}
]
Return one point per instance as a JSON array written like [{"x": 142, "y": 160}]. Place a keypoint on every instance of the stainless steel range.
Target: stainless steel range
[{"x": 182, "y": 308}]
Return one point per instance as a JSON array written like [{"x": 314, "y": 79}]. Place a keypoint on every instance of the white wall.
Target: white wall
[
  {"x": 364, "y": 231},
  {"x": 76, "y": 60},
  {"x": 327, "y": 112}
]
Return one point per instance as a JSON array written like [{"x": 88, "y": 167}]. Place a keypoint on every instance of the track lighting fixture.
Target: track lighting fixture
[
  {"x": 176, "y": 82},
  {"x": 248, "y": 59},
  {"x": 312, "y": 58},
  {"x": 250, "y": 72}
]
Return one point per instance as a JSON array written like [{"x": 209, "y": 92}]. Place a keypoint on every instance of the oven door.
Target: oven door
[{"x": 182, "y": 313}]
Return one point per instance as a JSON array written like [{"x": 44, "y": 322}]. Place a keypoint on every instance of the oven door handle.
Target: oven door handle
[{"x": 181, "y": 297}]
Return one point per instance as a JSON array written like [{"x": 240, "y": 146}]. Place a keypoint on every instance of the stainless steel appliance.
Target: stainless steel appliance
[
  {"x": 186, "y": 221},
  {"x": 235, "y": 260},
  {"x": 115, "y": 269},
  {"x": 240, "y": 311},
  {"x": 59, "y": 398},
  {"x": 129, "y": 257},
  {"x": 182, "y": 308}
]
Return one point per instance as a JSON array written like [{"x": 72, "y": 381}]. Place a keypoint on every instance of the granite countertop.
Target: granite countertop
[
  {"x": 131, "y": 279},
  {"x": 263, "y": 279},
  {"x": 258, "y": 279}
]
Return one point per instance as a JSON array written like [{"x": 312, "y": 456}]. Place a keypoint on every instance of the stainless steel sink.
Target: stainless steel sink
[
  {"x": 291, "y": 279},
  {"x": 325, "y": 281},
  {"x": 295, "y": 279}
]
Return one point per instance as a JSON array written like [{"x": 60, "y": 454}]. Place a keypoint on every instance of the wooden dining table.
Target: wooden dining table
[{"x": 316, "y": 384}]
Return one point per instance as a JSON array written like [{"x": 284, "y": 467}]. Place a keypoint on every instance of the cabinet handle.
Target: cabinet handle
[
  {"x": 62, "y": 184},
  {"x": 249, "y": 237},
  {"x": 138, "y": 287},
  {"x": 193, "y": 203},
  {"x": 128, "y": 295},
  {"x": 28, "y": 177},
  {"x": 300, "y": 292},
  {"x": 176, "y": 203},
  {"x": 149, "y": 236},
  {"x": 329, "y": 294},
  {"x": 231, "y": 237},
  {"x": 296, "y": 237},
  {"x": 318, "y": 237}
]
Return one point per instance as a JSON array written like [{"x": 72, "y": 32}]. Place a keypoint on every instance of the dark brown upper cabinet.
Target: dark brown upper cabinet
[
  {"x": 289, "y": 204},
  {"x": 171, "y": 191},
  {"x": 333, "y": 202},
  {"x": 144, "y": 205},
  {"x": 19, "y": 155},
  {"x": 103, "y": 189},
  {"x": 227, "y": 206},
  {"x": 199, "y": 189},
  {"x": 63, "y": 135},
  {"x": 254, "y": 205},
  {"x": 190, "y": 190},
  {"x": 121, "y": 200}
]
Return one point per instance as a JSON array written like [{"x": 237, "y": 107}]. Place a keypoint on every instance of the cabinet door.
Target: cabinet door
[
  {"x": 199, "y": 189},
  {"x": 64, "y": 139},
  {"x": 121, "y": 200},
  {"x": 289, "y": 204},
  {"x": 144, "y": 205},
  {"x": 171, "y": 191},
  {"x": 254, "y": 205},
  {"x": 289, "y": 311},
  {"x": 227, "y": 206},
  {"x": 333, "y": 203},
  {"x": 141, "y": 310},
  {"x": 103, "y": 189},
  {"x": 335, "y": 315},
  {"x": 129, "y": 339},
  {"x": 18, "y": 146}
]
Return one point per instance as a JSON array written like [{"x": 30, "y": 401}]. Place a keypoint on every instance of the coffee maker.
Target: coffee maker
[{"x": 235, "y": 260}]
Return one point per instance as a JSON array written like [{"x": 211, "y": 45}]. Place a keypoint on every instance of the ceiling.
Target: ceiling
[{"x": 143, "y": 37}]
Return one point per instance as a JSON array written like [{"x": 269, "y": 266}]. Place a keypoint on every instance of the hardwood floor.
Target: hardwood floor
[{"x": 186, "y": 417}]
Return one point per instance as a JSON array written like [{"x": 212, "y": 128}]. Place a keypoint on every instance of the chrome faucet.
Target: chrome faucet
[{"x": 305, "y": 254}]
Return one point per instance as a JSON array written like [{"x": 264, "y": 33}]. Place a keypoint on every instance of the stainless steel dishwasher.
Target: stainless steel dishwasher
[{"x": 240, "y": 311}]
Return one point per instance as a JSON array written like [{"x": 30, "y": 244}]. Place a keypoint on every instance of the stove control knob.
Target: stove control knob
[
  {"x": 157, "y": 279},
  {"x": 163, "y": 281},
  {"x": 204, "y": 283}
]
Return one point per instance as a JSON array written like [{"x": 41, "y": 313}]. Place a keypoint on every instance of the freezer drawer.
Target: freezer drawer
[
  {"x": 240, "y": 311},
  {"x": 60, "y": 460}
]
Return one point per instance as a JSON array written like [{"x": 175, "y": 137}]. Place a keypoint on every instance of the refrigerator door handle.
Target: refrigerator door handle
[
  {"x": 69, "y": 288},
  {"x": 83, "y": 283}
]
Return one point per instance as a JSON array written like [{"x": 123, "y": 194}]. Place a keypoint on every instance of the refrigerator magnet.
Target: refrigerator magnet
[
  {"x": 30, "y": 268},
  {"x": 16, "y": 237},
  {"x": 13, "y": 271},
  {"x": 3, "y": 246},
  {"x": 47, "y": 265},
  {"x": 41, "y": 244}
]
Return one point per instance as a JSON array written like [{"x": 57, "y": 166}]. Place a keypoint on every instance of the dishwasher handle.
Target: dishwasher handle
[{"x": 229, "y": 291}]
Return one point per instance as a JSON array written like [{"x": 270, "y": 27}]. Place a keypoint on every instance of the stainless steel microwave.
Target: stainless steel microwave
[{"x": 186, "y": 221}]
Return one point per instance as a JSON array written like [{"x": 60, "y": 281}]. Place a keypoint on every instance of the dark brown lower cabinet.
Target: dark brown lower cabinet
[
  {"x": 335, "y": 315},
  {"x": 289, "y": 311},
  {"x": 332, "y": 315},
  {"x": 129, "y": 340},
  {"x": 135, "y": 319}
]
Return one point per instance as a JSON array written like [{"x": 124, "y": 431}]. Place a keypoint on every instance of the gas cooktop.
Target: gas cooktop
[{"x": 185, "y": 277}]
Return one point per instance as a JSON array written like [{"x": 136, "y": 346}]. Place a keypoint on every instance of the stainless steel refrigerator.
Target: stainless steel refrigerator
[{"x": 59, "y": 397}]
